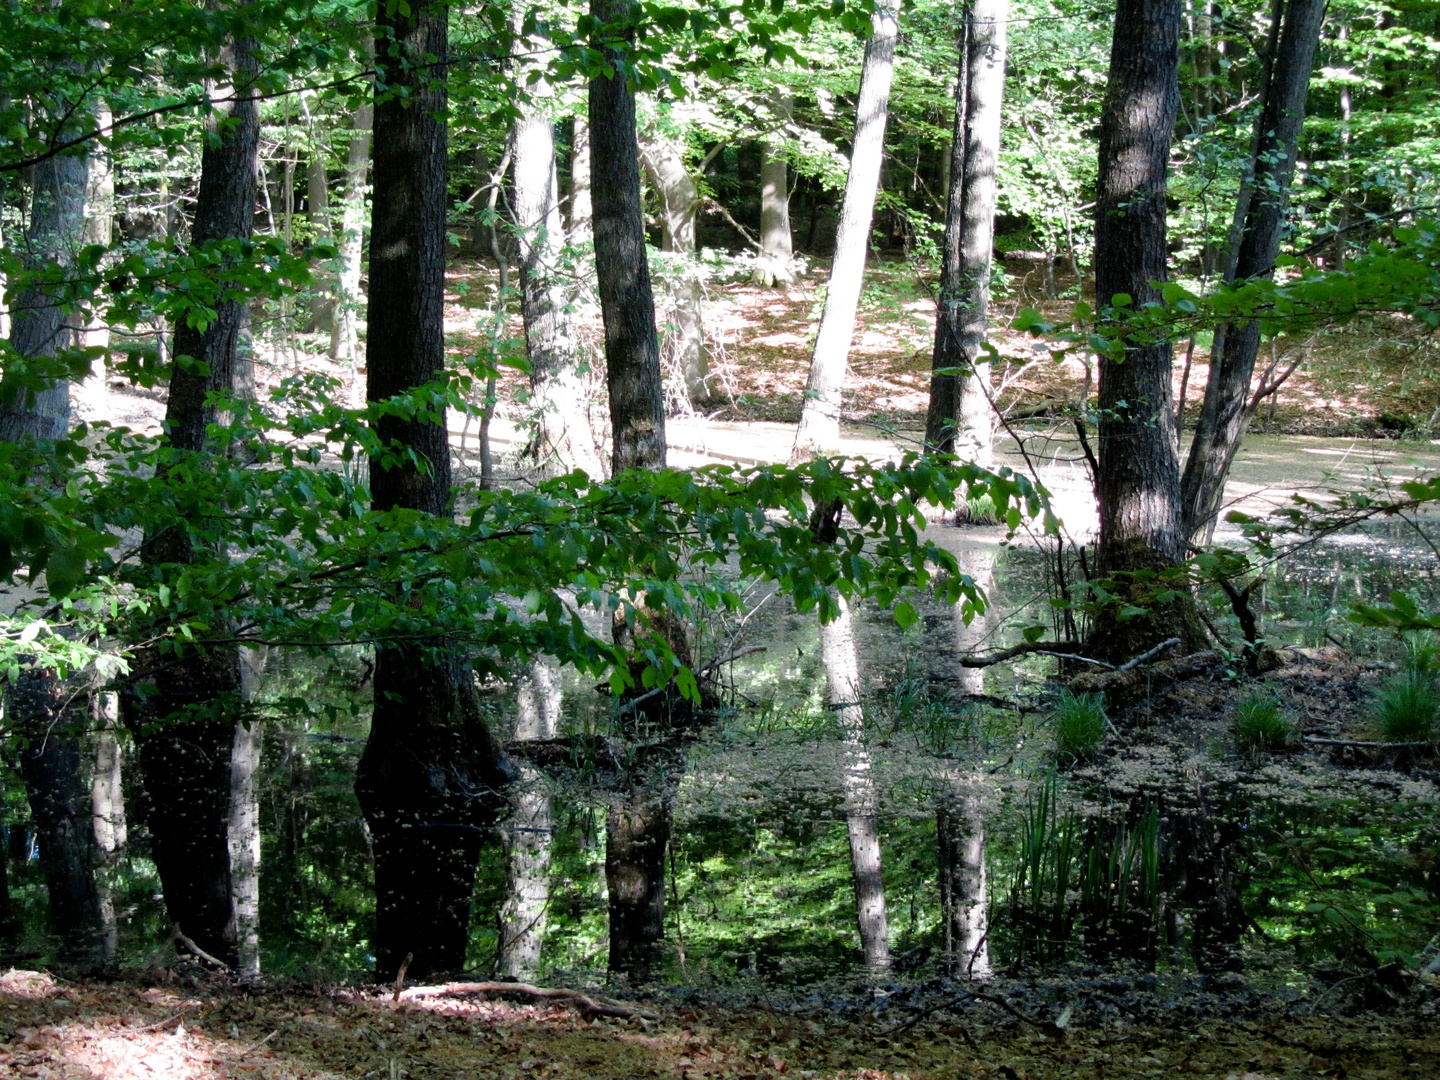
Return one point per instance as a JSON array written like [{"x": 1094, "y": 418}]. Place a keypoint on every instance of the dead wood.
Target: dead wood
[
  {"x": 1129, "y": 678},
  {"x": 1365, "y": 744},
  {"x": 587, "y": 1004}
]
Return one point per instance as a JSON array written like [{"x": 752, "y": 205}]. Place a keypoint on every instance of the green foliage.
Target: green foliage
[
  {"x": 1079, "y": 721},
  {"x": 1259, "y": 723},
  {"x": 1406, "y": 707}
]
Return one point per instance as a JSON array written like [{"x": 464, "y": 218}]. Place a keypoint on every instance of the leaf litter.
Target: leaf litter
[{"x": 212, "y": 1029}]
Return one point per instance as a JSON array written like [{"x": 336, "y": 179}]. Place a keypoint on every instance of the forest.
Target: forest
[{"x": 720, "y": 538}]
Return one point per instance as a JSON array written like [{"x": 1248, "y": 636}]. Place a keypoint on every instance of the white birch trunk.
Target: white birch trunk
[
  {"x": 819, "y": 430},
  {"x": 563, "y": 438},
  {"x": 528, "y": 832},
  {"x": 244, "y": 822},
  {"x": 979, "y": 564},
  {"x": 344, "y": 327},
  {"x": 964, "y": 900},
  {"x": 842, "y": 676},
  {"x": 581, "y": 209},
  {"x": 679, "y": 200},
  {"x": 776, "y": 246},
  {"x": 90, "y": 397},
  {"x": 107, "y": 810}
]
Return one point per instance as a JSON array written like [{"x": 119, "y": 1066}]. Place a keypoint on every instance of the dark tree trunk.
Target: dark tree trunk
[
  {"x": 627, "y": 304},
  {"x": 1138, "y": 481},
  {"x": 428, "y": 778},
  {"x": 1224, "y": 414},
  {"x": 52, "y": 717},
  {"x": 958, "y": 419},
  {"x": 49, "y": 714},
  {"x": 637, "y": 834},
  {"x": 184, "y": 726}
]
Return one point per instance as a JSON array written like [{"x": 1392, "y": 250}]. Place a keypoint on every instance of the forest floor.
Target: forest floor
[{"x": 193, "y": 1029}]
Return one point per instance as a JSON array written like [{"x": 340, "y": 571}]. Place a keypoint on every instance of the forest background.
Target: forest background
[{"x": 353, "y": 335}]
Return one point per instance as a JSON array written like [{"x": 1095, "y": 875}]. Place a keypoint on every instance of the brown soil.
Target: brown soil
[{"x": 188, "y": 1030}]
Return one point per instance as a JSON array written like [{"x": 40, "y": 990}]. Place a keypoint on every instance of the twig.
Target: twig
[
  {"x": 256, "y": 1046},
  {"x": 1148, "y": 654},
  {"x": 711, "y": 204},
  {"x": 588, "y": 1005},
  {"x": 160, "y": 1023},
  {"x": 1367, "y": 744},
  {"x": 178, "y": 936},
  {"x": 400, "y": 976},
  {"x": 1049, "y": 1027}
]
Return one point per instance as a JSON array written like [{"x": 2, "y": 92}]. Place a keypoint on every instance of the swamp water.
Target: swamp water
[{"x": 1169, "y": 848}]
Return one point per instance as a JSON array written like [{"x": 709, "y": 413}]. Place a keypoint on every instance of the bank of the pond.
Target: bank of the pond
[{"x": 179, "y": 1025}]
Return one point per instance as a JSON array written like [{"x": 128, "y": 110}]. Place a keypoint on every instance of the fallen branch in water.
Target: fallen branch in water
[
  {"x": 1181, "y": 667},
  {"x": 1063, "y": 649},
  {"x": 587, "y": 1004}
]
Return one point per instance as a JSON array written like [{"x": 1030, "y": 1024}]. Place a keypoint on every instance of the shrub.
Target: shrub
[
  {"x": 1259, "y": 723},
  {"x": 1079, "y": 725},
  {"x": 1406, "y": 707}
]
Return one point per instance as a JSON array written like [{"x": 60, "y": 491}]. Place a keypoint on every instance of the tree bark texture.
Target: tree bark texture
[
  {"x": 430, "y": 773},
  {"x": 317, "y": 213},
  {"x": 1138, "y": 480},
  {"x": 637, "y": 833},
  {"x": 563, "y": 439},
  {"x": 344, "y": 333},
  {"x": 39, "y": 327},
  {"x": 52, "y": 717},
  {"x": 664, "y": 158},
  {"x": 107, "y": 811},
  {"x": 184, "y": 724},
  {"x": 819, "y": 430},
  {"x": 224, "y": 210},
  {"x": 1224, "y": 413},
  {"x": 776, "y": 244},
  {"x": 244, "y": 821},
  {"x": 582, "y": 209},
  {"x": 977, "y": 563},
  {"x": 627, "y": 304},
  {"x": 862, "y": 826},
  {"x": 90, "y": 397},
  {"x": 524, "y": 911},
  {"x": 964, "y": 899},
  {"x": 959, "y": 417}
]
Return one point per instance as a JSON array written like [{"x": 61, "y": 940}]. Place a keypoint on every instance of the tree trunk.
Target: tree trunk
[
  {"x": 1224, "y": 414},
  {"x": 90, "y": 398},
  {"x": 317, "y": 211},
  {"x": 107, "y": 810},
  {"x": 582, "y": 209},
  {"x": 563, "y": 439},
  {"x": 38, "y": 323},
  {"x": 344, "y": 334},
  {"x": 244, "y": 822},
  {"x": 819, "y": 430},
  {"x": 184, "y": 726},
  {"x": 523, "y": 914},
  {"x": 679, "y": 201},
  {"x": 427, "y": 777},
  {"x": 637, "y": 833},
  {"x": 842, "y": 677},
  {"x": 1138, "y": 481},
  {"x": 959, "y": 418},
  {"x": 627, "y": 304},
  {"x": 52, "y": 717},
  {"x": 776, "y": 246},
  {"x": 960, "y": 829},
  {"x": 978, "y": 563}
]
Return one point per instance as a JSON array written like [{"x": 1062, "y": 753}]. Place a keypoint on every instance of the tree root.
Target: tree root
[
  {"x": 1128, "y": 678},
  {"x": 585, "y": 1003}
]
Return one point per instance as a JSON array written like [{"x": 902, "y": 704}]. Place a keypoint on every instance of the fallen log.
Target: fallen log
[
  {"x": 1364, "y": 743},
  {"x": 590, "y": 1006},
  {"x": 1130, "y": 678}
]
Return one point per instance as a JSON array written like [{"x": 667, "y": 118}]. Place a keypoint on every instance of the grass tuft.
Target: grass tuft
[
  {"x": 1406, "y": 707},
  {"x": 1259, "y": 723},
  {"x": 1079, "y": 722}
]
